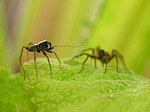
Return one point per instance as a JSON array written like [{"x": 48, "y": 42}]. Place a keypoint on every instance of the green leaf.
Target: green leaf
[
  {"x": 90, "y": 91},
  {"x": 12, "y": 96}
]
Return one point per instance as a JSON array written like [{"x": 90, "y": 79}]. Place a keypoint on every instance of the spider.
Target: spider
[
  {"x": 103, "y": 56},
  {"x": 43, "y": 46}
]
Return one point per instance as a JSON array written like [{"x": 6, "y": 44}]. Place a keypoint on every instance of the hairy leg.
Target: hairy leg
[
  {"x": 82, "y": 55},
  {"x": 118, "y": 55},
  {"x": 105, "y": 60},
  {"x": 117, "y": 63},
  {"x": 93, "y": 53},
  {"x": 88, "y": 55}
]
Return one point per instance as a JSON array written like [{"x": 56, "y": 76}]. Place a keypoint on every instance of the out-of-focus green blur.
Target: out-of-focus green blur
[{"x": 123, "y": 25}]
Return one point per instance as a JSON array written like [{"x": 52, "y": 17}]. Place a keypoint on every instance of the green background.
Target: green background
[{"x": 112, "y": 24}]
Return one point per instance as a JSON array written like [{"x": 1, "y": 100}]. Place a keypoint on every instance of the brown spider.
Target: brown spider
[{"x": 101, "y": 55}]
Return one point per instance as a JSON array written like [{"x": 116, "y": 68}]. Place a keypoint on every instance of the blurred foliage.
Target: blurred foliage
[
  {"x": 58, "y": 24},
  {"x": 112, "y": 24},
  {"x": 2, "y": 48},
  {"x": 124, "y": 26},
  {"x": 13, "y": 98},
  {"x": 90, "y": 91}
]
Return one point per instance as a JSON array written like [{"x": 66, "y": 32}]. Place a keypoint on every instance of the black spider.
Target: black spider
[{"x": 43, "y": 46}]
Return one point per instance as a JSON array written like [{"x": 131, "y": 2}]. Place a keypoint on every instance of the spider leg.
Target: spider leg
[
  {"x": 78, "y": 56},
  {"x": 50, "y": 67},
  {"x": 118, "y": 55},
  {"x": 27, "y": 50},
  {"x": 87, "y": 50},
  {"x": 57, "y": 59},
  {"x": 106, "y": 64},
  {"x": 83, "y": 63},
  {"x": 117, "y": 63},
  {"x": 84, "y": 60},
  {"x": 75, "y": 57},
  {"x": 50, "y": 46},
  {"x": 105, "y": 60},
  {"x": 30, "y": 44},
  {"x": 93, "y": 52},
  {"x": 20, "y": 60},
  {"x": 95, "y": 63},
  {"x": 105, "y": 68},
  {"x": 35, "y": 65}
]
